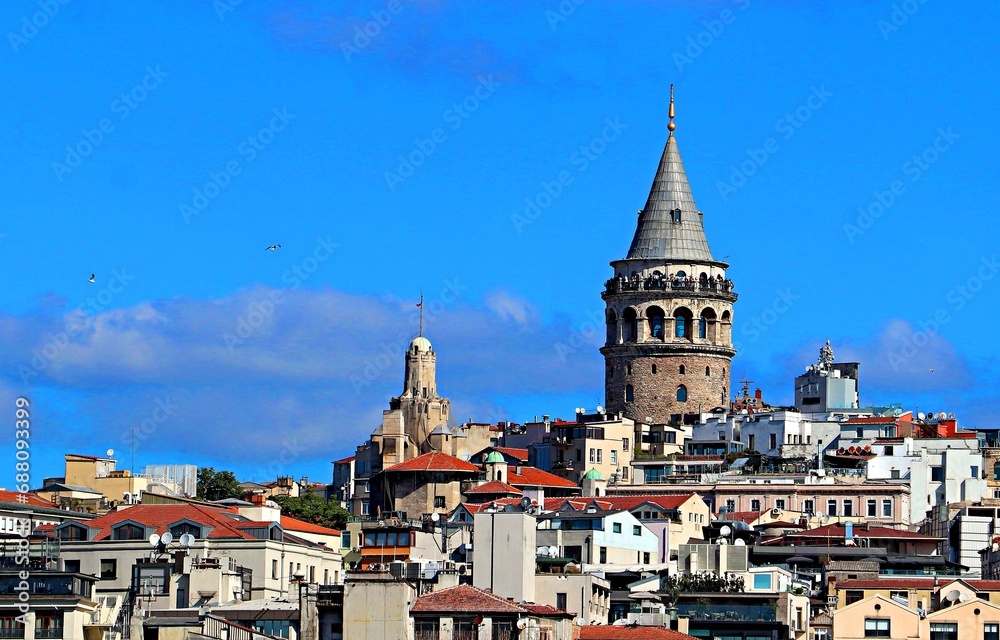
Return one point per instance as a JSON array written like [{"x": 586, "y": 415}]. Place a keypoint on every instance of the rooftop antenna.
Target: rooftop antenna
[
  {"x": 133, "y": 449},
  {"x": 670, "y": 125}
]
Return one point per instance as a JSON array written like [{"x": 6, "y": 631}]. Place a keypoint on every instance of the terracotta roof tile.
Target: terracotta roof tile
[
  {"x": 464, "y": 598},
  {"x": 520, "y": 454},
  {"x": 25, "y": 499},
  {"x": 294, "y": 524},
  {"x": 532, "y": 477},
  {"x": 160, "y": 516},
  {"x": 494, "y": 487},
  {"x": 614, "y": 632},
  {"x": 860, "y": 531},
  {"x": 890, "y": 583},
  {"x": 434, "y": 461}
]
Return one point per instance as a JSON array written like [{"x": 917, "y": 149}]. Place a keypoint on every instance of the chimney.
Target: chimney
[{"x": 756, "y": 393}]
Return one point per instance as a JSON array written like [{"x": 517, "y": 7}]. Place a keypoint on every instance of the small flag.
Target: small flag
[{"x": 420, "y": 304}]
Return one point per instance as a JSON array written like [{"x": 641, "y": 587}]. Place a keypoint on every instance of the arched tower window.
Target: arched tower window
[
  {"x": 682, "y": 394},
  {"x": 655, "y": 316},
  {"x": 682, "y": 323},
  {"x": 996, "y": 471},
  {"x": 499, "y": 477},
  {"x": 628, "y": 369},
  {"x": 612, "y": 337},
  {"x": 708, "y": 371},
  {"x": 631, "y": 325},
  {"x": 702, "y": 327},
  {"x": 707, "y": 326},
  {"x": 629, "y": 393},
  {"x": 654, "y": 368},
  {"x": 726, "y": 335},
  {"x": 680, "y": 370}
]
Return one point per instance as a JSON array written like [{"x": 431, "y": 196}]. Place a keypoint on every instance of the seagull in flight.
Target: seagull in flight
[
  {"x": 91, "y": 278},
  {"x": 273, "y": 247}
]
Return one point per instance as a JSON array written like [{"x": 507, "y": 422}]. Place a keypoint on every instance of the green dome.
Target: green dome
[
  {"x": 593, "y": 474},
  {"x": 494, "y": 456}
]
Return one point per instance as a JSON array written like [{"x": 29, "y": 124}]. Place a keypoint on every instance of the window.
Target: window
[
  {"x": 653, "y": 369},
  {"x": 887, "y": 450},
  {"x": 755, "y": 505},
  {"x": 628, "y": 369},
  {"x": 625, "y": 473},
  {"x": 855, "y": 596},
  {"x": 49, "y": 625},
  {"x": 71, "y": 566},
  {"x": 364, "y": 508},
  {"x": 751, "y": 441},
  {"x": 730, "y": 506},
  {"x": 877, "y": 628},
  {"x": 656, "y": 325},
  {"x": 894, "y": 474},
  {"x": 807, "y": 506},
  {"x": 937, "y": 474},
  {"x": 821, "y": 634},
  {"x": 629, "y": 393},
  {"x": 944, "y": 631},
  {"x": 274, "y": 569},
  {"x": 561, "y": 601},
  {"x": 872, "y": 508},
  {"x": 129, "y": 532},
  {"x": 779, "y": 504},
  {"x": 109, "y": 569},
  {"x": 593, "y": 455},
  {"x": 636, "y": 530},
  {"x": 991, "y": 631},
  {"x": 439, "y": 502},
  {"x": 614, "y": 457},
  {"x": 645, "y": 558},
  {"x": 277, "y": 628},
  {"x": 722, "y": 435},
  {"x": 848, "y": 507},
  {"x": 579, "y": 455},
  {"x": 603, "y": 555},
  {"x": 11, "y": 628},
  {"x": 762, "y": 582},
  {"x": 682, "y": 394},
  {"x": 831, "y": 507},
  {"x": 72, "y": 532},
  {"x": 974, "y": 472},
  {"x": 679, "y": 328},
  {"x": 345, "y": 539},
  {"x": 680, "y": 370},
  {"x": 703, "y": 332},
  {"x": 599, "y": 452},
  {"x": 625, "y": 444},
  {"x": 772, "y": 441},
  {"x": 708, "y": 371},
  {"x": 887, "y": 508},
  {"x": 616, "y": 527}
]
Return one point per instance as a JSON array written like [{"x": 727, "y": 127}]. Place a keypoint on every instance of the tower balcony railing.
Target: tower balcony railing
[{"x": 652, "y": 283}]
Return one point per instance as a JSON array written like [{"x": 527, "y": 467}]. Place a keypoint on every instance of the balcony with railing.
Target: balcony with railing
[
  {"x": 728, "y": 612},
  {"x": 659, "y": 283}
]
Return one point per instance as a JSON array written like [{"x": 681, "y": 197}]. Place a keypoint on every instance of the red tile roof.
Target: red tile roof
[
  {"x": 344, "y": 460},
  {"x": 860, "y": 531},
  {"x": 433, "y": 461},
  {"x": 632, "y": 501},
  {"x": 294, "y": 524},
  {"x": 532, "y": 477},
  {"x": 605, "y": 632},
  {"x": 578, "y": 504},
  {"x": 25, "y": 499},
  {"x": 889, "y": 583},
  {"x": 161, "y": 516},
  {"x": 744, "y": 516},
  {"x": 984, "y": 585},
  {"x": 520, "y": 454},
  {"x": 547, "y": 611},
  {"x": 464, "y": 598},
  {"x": 494, "y": 487}
]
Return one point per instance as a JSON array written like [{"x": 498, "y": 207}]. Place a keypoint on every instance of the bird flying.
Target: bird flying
[
  {"x": 91, "y": 278},
  {"x": 273, "y": 247}
]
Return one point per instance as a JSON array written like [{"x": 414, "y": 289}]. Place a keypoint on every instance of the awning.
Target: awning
[{"x": 739, "y": 463}]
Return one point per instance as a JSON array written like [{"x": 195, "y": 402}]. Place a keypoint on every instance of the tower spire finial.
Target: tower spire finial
[
  {"x": 670, "y": 125},
  {"x": 421, "y": 306}
]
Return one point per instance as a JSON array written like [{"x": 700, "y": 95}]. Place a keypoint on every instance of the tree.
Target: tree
[
  {"x": 312, "y": 507},
  {"x": 218, "y": 485}
]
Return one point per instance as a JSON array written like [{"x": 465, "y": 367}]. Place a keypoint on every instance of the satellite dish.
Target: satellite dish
[
  {"x": 522, "y": 624},
  {"x": 435, "y": 517},
  {"x": 525, "y": 502},
  {"x": 725, "y": 530},
  {"x": 154, "y": 540},
  {"x": 167, "y": 538},
  {"x": 740, "y": 542},
  {"x": 110, "y": 452},
  {"x": 187, "y": 539},
  {"x": 953, "y": 595},
  {"x": 723, "y": 542},
  {"x": 963, "y": 598}
]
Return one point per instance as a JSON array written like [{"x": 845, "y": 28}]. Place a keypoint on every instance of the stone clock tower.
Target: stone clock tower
[{"x": 669, "y": 308}]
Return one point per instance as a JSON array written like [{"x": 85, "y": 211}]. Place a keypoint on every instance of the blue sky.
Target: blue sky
[{"x": 844, "y": 156}]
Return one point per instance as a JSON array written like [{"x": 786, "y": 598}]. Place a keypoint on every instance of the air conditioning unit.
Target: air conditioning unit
[{"x": 776, "y": 511}]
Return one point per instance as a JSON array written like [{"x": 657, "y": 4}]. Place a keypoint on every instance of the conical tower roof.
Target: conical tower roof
[{"x": 658, "y": 234}]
